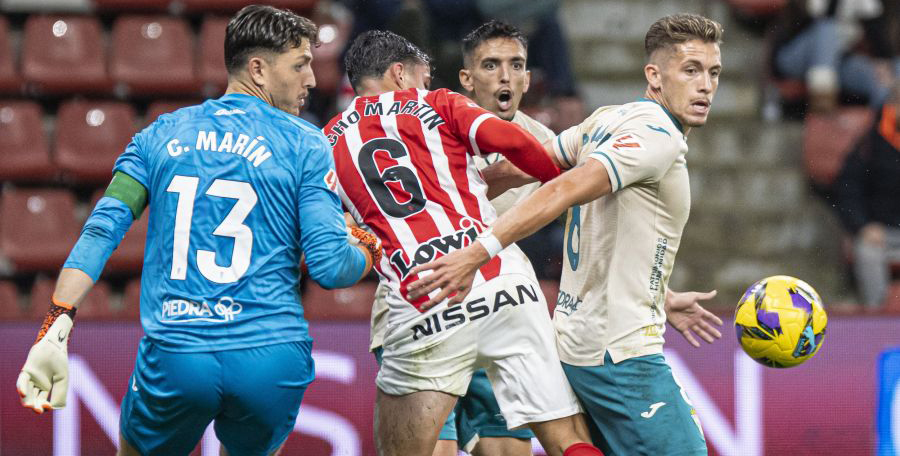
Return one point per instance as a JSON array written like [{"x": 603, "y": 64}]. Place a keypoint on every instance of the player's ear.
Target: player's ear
[
  {"x": 653, "y": 75},
  {"x": 395, "y": 73},
  {"x": 527, "y": 80},
  {"x": 465, "y": 80},
  {"x": 257, "y": 69}
]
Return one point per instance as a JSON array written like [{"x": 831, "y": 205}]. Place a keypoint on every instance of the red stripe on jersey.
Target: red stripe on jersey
[
  {"x": 491, "y": 269},
  {"x": 458, "y": 166},
  {"x": 421, "y": 157},
  {"x": 411, "y": 128},
  {"x": 354, "y": 186}
]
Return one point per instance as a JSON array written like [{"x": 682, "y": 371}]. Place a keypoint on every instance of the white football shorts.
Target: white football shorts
[{"x": 504, "y": 327}]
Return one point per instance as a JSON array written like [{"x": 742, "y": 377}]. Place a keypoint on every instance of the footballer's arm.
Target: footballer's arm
[
  {"x": 45, "y": 371},
  {"x": 454, "y": 272},
  {"x": 503, "y": 176},
  {"x": 123, "y": 202}
]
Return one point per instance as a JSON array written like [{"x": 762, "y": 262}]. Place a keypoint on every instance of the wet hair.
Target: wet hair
[
  {"x": 489, "y": 31},
  {"x": 678, "y": 28},
  {"x": 264, "y": 29},
  {"x": 372, "y": 52}
]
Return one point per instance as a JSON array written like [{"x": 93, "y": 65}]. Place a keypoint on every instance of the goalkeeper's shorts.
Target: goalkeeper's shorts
[{"x": 253, "y": 395}]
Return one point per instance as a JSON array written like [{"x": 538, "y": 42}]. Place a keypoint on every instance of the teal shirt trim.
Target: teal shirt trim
[
  {"x": 671, "y": 117},
  {"x": 613, "y": 166},
  {"x": 563, "y": 150}
]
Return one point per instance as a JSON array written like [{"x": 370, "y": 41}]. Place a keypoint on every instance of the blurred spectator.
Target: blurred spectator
[
  {"x": 868, "y": 198},
  {"x": 821, "y": 43}
]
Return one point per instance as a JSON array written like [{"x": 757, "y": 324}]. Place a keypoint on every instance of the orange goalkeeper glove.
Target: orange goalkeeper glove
[{"x": 359, "y": 236}]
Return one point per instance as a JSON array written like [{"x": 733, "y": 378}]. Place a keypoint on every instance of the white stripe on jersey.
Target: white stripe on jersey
[
  {"x": 474, "y": 128},
  {"x": 435, "y": 211},
  {"x": 354, "y": 143},
  {"x": 442, "y": 165}
]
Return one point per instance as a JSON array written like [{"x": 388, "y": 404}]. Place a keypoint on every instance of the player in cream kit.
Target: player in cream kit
[{"x": 628, "y": 197}]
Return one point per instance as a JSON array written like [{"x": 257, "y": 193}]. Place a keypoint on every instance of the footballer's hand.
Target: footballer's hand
[
  {"x": 685, "y": 314},
  {"x": 44, "y": 380},
  {"x": 452, "y": 274},
  {"x": 369, "y": 241}
]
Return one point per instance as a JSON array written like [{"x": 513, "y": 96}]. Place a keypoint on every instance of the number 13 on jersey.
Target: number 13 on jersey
[{"x": 232, "y": 226}]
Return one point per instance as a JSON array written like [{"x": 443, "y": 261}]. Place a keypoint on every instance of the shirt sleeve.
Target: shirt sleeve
[
  {"x": 463, "y": 116},
  {"x": 567, "y": 146},
  {"x": 331, "y": 260},
  {"x": 132, "y": 161},
  {"x": 486, "y": 132},
  {"x": 101, "y": 234},
  {"x": 636, "y": 153}
]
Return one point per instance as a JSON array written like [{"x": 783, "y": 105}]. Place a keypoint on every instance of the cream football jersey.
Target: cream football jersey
[
  {"x": 501, "y": 203},
  {"x": 620, "y": 248}
]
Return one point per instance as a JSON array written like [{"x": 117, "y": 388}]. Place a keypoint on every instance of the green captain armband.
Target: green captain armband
[{"x": 129, "y": 191}]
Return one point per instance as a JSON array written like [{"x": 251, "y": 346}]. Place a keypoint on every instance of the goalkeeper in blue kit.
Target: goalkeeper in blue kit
[{"x": 239, "y": 188}]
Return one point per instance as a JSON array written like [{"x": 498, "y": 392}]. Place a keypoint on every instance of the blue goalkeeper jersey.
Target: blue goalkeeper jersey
[{"x": 237, "y": 191}]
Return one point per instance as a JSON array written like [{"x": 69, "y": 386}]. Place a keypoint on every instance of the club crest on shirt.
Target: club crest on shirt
[{"x": 628, "y": 142}]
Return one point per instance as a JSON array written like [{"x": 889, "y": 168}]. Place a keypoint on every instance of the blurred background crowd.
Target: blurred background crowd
[{"x": 797, "y": 172}]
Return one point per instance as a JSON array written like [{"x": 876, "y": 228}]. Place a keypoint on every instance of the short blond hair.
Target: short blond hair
[{"x": 678, "y": 28}]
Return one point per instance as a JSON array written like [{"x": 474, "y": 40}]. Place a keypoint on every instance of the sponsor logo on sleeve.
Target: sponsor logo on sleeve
[
  {"x": 331, "y": 180},
  {"x": 627, "y": 142}
]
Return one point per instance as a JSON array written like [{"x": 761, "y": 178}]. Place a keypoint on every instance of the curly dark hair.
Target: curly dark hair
[
  {"x": 372, "y": 52},
  {"x": 261, "y": 28}
]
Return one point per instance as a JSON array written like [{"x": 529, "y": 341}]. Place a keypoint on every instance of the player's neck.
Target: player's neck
[
  {"x": 375, "y": 87},
  {"x": 657, "y": 97},
  {"x": 242, "y": 87}
]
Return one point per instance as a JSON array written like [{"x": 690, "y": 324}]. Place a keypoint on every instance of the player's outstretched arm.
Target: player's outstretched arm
[
  {"x": 518, "y": 146},
  {"x": 44, "y": 380},
  {"x": 455, "y": 272},
  {"x": 503, "y": 176},
  {"x": 685, "y": 314},
  {"x": 334, "y": 257}
]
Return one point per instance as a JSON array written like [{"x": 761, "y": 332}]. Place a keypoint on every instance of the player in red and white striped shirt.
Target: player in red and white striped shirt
[{"x": 403, "y": 156}]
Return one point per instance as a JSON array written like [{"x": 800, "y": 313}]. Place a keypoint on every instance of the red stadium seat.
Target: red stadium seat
[
  {"x": 37, "y": 228},
  {"x": 9, "y": 79},
  {"x": 757, "y": 8},
  {"x": 64, "y": 54},
  {"x": 90, "y": 135},
  {"x": 131, "y": 302},
  {"x": 9, "y": 302},
  {"x": 828, "y": 138},
  {"x": 26, "y": 156},
  {"x": 158, "y": 108},
  {"x": 354, "y": 303},
  {"x": 152, "y": 54},
  {"x": 94, "y": 306},
  {"x": 892, "y": 302},
  {"x": 132, "y": 5},
  {"x": 212, "y": 55},
  {"x": 299, "y": 6},
  {"x": 129, "y": 256}
]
